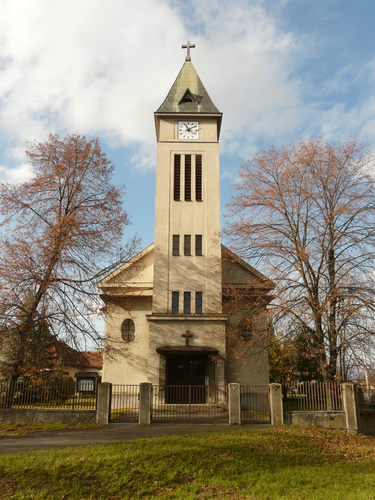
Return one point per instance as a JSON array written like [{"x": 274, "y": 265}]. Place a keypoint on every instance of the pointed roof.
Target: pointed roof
[
  {"x": 187, "y": 94},
  {"x": 133, "y": 278}
]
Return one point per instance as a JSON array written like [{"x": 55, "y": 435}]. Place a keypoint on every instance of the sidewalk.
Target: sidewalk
[{"x": 47, "y": 440}]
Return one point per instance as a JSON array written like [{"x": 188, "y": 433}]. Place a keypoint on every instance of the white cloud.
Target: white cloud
[
  {"x": 103, "y": 67},
  {"x": 89, "y": 65},
  {"x": 19, "y": 174}
]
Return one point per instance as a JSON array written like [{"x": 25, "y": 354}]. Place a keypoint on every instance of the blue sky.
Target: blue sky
[{"x": 278, "y": 70}]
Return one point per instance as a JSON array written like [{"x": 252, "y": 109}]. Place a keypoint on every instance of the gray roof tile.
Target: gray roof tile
[{"x": 188, "y": 79}]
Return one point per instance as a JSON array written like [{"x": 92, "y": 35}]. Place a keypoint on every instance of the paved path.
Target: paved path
[{"x": 47, "y": 440}]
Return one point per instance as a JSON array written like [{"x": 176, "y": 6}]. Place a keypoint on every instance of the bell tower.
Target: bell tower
[
  {"x": 187, "y": 284},
  {"x": 187, "y": 272}
]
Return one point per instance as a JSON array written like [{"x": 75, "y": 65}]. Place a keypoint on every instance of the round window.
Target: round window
[{"x": 128, "y": 330}]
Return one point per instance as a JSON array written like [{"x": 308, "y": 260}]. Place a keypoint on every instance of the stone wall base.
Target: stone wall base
[
  {"x": 34, "y": 416},
  {"x": 325, "y": 419}
]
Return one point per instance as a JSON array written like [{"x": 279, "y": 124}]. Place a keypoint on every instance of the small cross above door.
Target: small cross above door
[{"x": 187, "y": 335}]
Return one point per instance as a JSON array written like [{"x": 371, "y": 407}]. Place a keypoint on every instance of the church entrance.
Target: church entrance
[{"x": 187, "y": 372}]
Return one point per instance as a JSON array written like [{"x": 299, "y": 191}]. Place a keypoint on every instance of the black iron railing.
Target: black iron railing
[
  {"x": 312, "y": 396},
  {"x": 61, "y": 394},
  {"x": 366, "y": 397}
]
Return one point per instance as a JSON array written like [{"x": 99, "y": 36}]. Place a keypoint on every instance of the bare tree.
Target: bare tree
[
  {"x": 61, "y": 232},
  {"x": 305, "y": 215}
]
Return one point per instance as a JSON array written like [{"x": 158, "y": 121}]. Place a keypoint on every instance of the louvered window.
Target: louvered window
[
  {"x": 198, "y": 177},
  {"x": 187, "y": 177},
  {"x": 177, "y": 178}
]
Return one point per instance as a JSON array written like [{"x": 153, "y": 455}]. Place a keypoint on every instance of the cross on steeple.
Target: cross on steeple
[
  {"x": 187, "y": 335},
  {"x": 188, "y": 46}
]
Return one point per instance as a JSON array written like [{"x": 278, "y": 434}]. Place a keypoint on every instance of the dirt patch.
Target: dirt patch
[
  {"x": 209, "y": 492},
  {"x": 7, "y": 487}
]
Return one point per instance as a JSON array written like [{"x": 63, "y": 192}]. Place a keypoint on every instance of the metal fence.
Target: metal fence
[
  {"x": 312, "y": 396},
  {"x": 255, "y": 404},
  {"x": 124, "y": 403},
  {"x": 189, "y": 403},
  {"x": 62, "y": 394},
  {"x": 366, "y": 397}
]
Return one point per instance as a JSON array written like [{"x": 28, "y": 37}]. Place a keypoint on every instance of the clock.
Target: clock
[{"x": 188, "y": 130}]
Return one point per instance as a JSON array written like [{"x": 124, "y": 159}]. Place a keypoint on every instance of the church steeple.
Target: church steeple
[
  {"x": 189, "y": 82},
  {"x": 187, "y": 203}
]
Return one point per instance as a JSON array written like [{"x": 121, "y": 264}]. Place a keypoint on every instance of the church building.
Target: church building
[{"x": 186, "y": 310}]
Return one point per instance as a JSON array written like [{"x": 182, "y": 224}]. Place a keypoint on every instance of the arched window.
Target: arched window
[{"x": 128, "y": 330}]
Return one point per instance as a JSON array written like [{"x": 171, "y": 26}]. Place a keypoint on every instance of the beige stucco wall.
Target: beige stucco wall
[
  {"x": 247, "y": 362},
  {"x": 138, "y": 273},
  {"x": 126, "y": 362},
  {"x": 187, "y": 273},
  {"x": 206, "y": 332},
  {"x": 234, "y": 273},
  {"x": 133, "y": 278}
]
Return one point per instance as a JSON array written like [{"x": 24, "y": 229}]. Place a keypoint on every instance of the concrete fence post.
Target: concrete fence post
[
  {"x": 103, "y": 403},
  {"x": 276, "y": 404},
  {"x": 234, "y": 404},
  {"x": 351, "y": 407},
  {"x": 145, "y": 395}
]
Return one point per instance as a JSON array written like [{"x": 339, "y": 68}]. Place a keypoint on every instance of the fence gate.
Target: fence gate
[
  {"x": 124, "y": 403},
  {"x": 189, "y": 403},
  {"x": 255, "y": 404}
]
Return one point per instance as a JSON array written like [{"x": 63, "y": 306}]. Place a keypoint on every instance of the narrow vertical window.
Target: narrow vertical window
[
  {"x": 177, "y": 178},
  {"x": 187, "y": 177},
  {"x": 176, "y": 244},
  {"x": 187, "y": 302},
  {"x": 175, "y": 302},
  {"x": 198, "y": 244},
  {"x": 187, "y": 244},
  {"x": 198, "y": 302},
  {"x": 198, "y": 177}
]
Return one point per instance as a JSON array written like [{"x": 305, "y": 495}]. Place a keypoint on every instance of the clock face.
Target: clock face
[{"x": 188, "y": 130}]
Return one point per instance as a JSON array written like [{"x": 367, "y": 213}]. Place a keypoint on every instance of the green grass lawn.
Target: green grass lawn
[{"x": 285, "y": 462}]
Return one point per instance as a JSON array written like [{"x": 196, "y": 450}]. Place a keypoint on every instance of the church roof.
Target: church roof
[
  {"x": 135, "y": 277},
  {"x": 187, "y": 94},
  {"x": 229, "y": 256}
]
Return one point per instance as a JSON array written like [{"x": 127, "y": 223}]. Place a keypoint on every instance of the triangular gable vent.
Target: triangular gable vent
[{"x": 189, "y": 97}]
